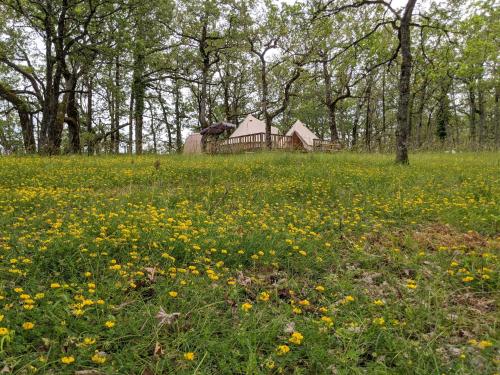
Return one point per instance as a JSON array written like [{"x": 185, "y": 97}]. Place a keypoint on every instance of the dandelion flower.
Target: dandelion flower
[
  {"x": 68, "y": 360},
  {"x": 173, "y": 294},
  {"x": 28, "y": 325},
  {"x": 98, "y": 358},
  {"x": 246, "y": 306},
  {"x": 189, "y": 356},
  {"x": 264, "y": 296},
  {"x": 109, "y": 324}
]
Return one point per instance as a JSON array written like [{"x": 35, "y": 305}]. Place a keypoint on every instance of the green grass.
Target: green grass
[{"x": 405, "y": 259}]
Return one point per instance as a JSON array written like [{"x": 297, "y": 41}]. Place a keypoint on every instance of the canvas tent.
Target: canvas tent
[
  {"x": 251, "y": 125},
  {"x": 193, "y": 144},
  {"x": 301, "y": 133}
]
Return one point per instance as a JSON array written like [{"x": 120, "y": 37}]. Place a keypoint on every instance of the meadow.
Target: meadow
[{"x": 249, "y": 264}]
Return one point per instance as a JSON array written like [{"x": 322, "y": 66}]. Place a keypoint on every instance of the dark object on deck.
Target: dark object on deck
[
  {"x": 218, "y": 128},
  {"x": 214, "y": 131}
]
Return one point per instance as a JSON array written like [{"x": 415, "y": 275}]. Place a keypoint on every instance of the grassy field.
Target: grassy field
[{"x": 250, "y": 264}]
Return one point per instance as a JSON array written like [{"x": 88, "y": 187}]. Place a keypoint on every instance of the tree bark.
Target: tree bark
[
  {"x": 331, "y": 106},
  {"x": 472, "y": 114},
  {"x": 482, "y": 115},
  {"x": 139, "y": 89},
  {"x": 497, "y": 113},
  {"x": 73, "y": 117},
  {"x": 25, "y": 119},
  {"x": 178, "y": 122},
  {"x": 368, "y": 127},
  {"x": 90, "y": 129},
  {"x": 403, "y": 125}
]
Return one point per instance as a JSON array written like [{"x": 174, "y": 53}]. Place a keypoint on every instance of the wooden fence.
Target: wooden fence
[
  {"x": 248, "y": 143},
  {"x": 256, "y": 142}
]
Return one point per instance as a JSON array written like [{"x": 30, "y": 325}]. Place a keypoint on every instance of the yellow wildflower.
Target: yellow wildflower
[
  {"x": 68, "y": 360},
  {"x": 189, "y": 356},
  {"x": 282, "y": 349},
  {"x": 296, "y": 338},
  {"x": 28, "y": 325}
]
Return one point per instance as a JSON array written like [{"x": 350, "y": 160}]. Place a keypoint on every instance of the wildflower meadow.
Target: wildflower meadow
[{"x": 249, "y": 264}]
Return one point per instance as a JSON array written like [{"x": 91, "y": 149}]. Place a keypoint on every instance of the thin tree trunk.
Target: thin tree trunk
[
  {"x": 420, "y": 113},
  {"x": 497, "y": 113},
  {"x": 165, "y": 120},
  {"x": 482, "y": 116},
  {"x": 177, "y": 110},
  {"x": 355, "y": 123},
  {"x": 117, "y": 106},
  {"x": 402, "y": 130},
  {"x": 368, "y": 130},
  {"x": 139, "y": 89},
  {"x": 131, "y": 123},
  {"x": 472, "y": 114},
  {"x": 384, "y": 125},
  {"x": 90, "y": 129}
]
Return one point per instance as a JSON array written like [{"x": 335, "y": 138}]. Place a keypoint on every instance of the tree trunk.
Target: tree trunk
[
  {"x": 165, "y": 120},
  {"x": 139, "y": 89},
  {"x": 420, "y": 113},
  {"x": 472, "y": 114},
  {"x": 264, "y": 103},
  {"x": 497, "y": 113},
  {"x": 384, "y": 125},
  {"x": 90, "y": 129},
  {"x": 482, "y": 116},
  {"x": 72, "y": 118},
  {"x": 117, "y": 106},
  {"x": 131, "y": 123},
  {"x": 25, "y": 118},
  {"x": 368, "y": 127},
  {"x": 330, "y": 105},
  {"x": 402, "y": 130},
  {"x": 204, "y": 78},
  {"x": 177, "y": 110},
  {"x": 355, "y": 123}
]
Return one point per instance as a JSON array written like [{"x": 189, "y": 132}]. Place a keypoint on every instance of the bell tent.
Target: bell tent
[
  {"x": 251, "y": 125},
  {"x": 302, "y": 137},
  {"x": 193, "y": 144}
]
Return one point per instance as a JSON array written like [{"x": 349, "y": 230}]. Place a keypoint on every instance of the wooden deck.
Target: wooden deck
[
  {"x": 248, "y": 143},
  {"x": 257, "y": 142}
]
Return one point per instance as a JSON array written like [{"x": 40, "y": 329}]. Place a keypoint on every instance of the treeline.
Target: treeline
[{"x": 130, "y": 75}]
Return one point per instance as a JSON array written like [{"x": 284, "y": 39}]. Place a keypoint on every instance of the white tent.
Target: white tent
[
  {"x": 193, "y": 144},
  {"x": 251, "y": 125},
  {"x": 306, "y": 136}
]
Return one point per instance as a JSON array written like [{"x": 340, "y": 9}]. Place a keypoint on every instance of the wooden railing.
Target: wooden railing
[
  {"x": 325, "y": 145},
  {"x": 248, "y": 143}
]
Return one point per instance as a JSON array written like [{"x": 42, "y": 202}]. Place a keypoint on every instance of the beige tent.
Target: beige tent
[
  {"x": 193, "y": 144},
  {"x": 300, "y": 131},
  {"x": 251, "y": 125}
]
